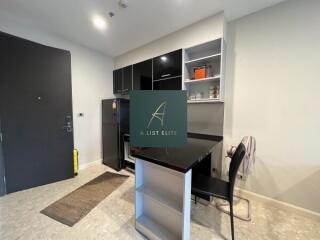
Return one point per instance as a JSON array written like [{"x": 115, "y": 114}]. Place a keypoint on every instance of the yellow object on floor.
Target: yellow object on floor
[{"x": 75, "y": 162}]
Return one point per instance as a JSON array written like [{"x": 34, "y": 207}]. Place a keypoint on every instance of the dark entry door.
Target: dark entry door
[
  {"x": 35, "y": 112},
  {"x": 2, "y": 181}
]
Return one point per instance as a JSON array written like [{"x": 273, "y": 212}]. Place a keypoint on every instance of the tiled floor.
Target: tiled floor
[{"x": 113, "y": 217}]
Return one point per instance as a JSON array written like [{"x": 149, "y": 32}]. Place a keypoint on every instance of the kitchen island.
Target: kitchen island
[{"x": 163, "y": 186}]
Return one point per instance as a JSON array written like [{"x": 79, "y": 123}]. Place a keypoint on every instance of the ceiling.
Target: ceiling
[{"x": 142, "y": 22}]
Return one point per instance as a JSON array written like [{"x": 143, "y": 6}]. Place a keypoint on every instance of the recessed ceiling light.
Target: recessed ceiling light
[
  {"x": 123, "y": 3},
  {"x": 99, "y": 22}
]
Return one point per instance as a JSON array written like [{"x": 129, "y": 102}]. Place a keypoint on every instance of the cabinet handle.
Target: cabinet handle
[{"x": 166, "y": 75}]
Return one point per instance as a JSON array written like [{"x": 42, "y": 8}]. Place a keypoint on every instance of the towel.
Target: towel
[{"x": 249, "y": 157}]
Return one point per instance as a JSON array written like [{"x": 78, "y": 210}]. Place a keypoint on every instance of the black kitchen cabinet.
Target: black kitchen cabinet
[
  {"x": 142, "y": 75},
  {"x": 117, "y": 81},
  {"x": 168, "y": 84},
  {"x": 122, "y": 80},
  {"x": 160, "y": 73},
  {"x": 127, "y": 80},
  {"x": 168, "y": 65}
]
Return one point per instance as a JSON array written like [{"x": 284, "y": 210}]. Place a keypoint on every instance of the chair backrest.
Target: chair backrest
[{"x": 234, "y": 166}]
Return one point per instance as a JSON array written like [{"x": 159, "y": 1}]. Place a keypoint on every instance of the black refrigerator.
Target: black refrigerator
[{"x": 115, "y": 123}]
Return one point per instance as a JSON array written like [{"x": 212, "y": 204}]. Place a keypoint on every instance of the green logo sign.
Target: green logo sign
[{"x": 158, "y": 118}]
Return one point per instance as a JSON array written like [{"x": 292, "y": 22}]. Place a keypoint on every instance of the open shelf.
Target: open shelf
[
  {"x": 154, "y": 230},
  {"x": 213, "y": 62},
  {"x": 203, "y": 50},
  {"x": 203, "y": 59},
  {"x": 202, "y": 79},
  {"x": 205, "y": 100},
  {"x": 162, "y": 198}
]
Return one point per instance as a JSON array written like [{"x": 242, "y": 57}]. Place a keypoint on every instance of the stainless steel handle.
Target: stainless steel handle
[
  {"x": 161, "y": 79},
  {"x": 166, "y": 75}
]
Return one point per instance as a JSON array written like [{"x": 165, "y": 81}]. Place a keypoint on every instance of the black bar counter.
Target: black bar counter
[{"x": 180, "y": 159}]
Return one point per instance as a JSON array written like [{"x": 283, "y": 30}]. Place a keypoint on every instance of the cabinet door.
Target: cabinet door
[
  {"x": 168, "y": 65},
  {"x": 142, "y": 75},
  {"x": 117, "y": 81},
  {"x": 127, "y": 79},
  {"x": 168, "y": 84}
]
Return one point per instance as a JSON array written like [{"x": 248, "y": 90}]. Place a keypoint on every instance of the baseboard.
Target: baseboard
[
  {"x": 89, "y": 164},
  {"x": 289, "y": 207}
]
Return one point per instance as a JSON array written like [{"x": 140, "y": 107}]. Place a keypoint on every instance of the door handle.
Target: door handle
[{"x": 68, "y": 126}]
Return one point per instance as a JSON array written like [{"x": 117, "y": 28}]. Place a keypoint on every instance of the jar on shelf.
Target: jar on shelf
[
  {"x": 198, "y": 95},
  {"x": 211, "y": 92}
]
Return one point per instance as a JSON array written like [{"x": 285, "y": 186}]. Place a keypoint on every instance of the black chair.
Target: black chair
[{"x": 215, "y": 187}]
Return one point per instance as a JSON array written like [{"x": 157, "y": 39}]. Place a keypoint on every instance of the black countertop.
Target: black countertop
[{"x": 180, "y": 159}]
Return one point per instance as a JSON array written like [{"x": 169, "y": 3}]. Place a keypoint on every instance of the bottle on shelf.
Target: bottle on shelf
[{"x": 216, "y": 92}]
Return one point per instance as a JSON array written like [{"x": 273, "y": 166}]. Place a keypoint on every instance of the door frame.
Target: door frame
[{"x": 2, "y": 167}]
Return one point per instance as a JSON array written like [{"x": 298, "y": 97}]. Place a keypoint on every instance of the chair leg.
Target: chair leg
[
  {"x": 231, "y": 219},
  {"x": 247, "y": 218}
]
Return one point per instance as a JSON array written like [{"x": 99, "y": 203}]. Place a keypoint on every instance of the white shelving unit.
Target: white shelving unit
[
  {"x": 162, "y": 206},
  {"x": 210, "y": 55}
]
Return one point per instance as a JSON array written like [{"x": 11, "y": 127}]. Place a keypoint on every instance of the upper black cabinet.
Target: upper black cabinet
[
  {"x": 122, "y": 80},
  {"x": 142, "y": 75},
  {"x": 168, "y": 65},
  {"x": 127, "y": 79},
  {"x": 117, "y": 81},
  {"x": 166, "y": 70},
  {"x": 168, "y": 84}
]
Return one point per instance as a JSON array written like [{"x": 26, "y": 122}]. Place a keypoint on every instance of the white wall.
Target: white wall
[
  {"x": 91, "y": 82},
  {"x": 273, "y": 93},
  {"x": 203, "y": 31}
]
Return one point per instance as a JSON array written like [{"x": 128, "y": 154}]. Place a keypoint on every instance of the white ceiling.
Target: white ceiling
[{"x": 142, "y": 22}]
